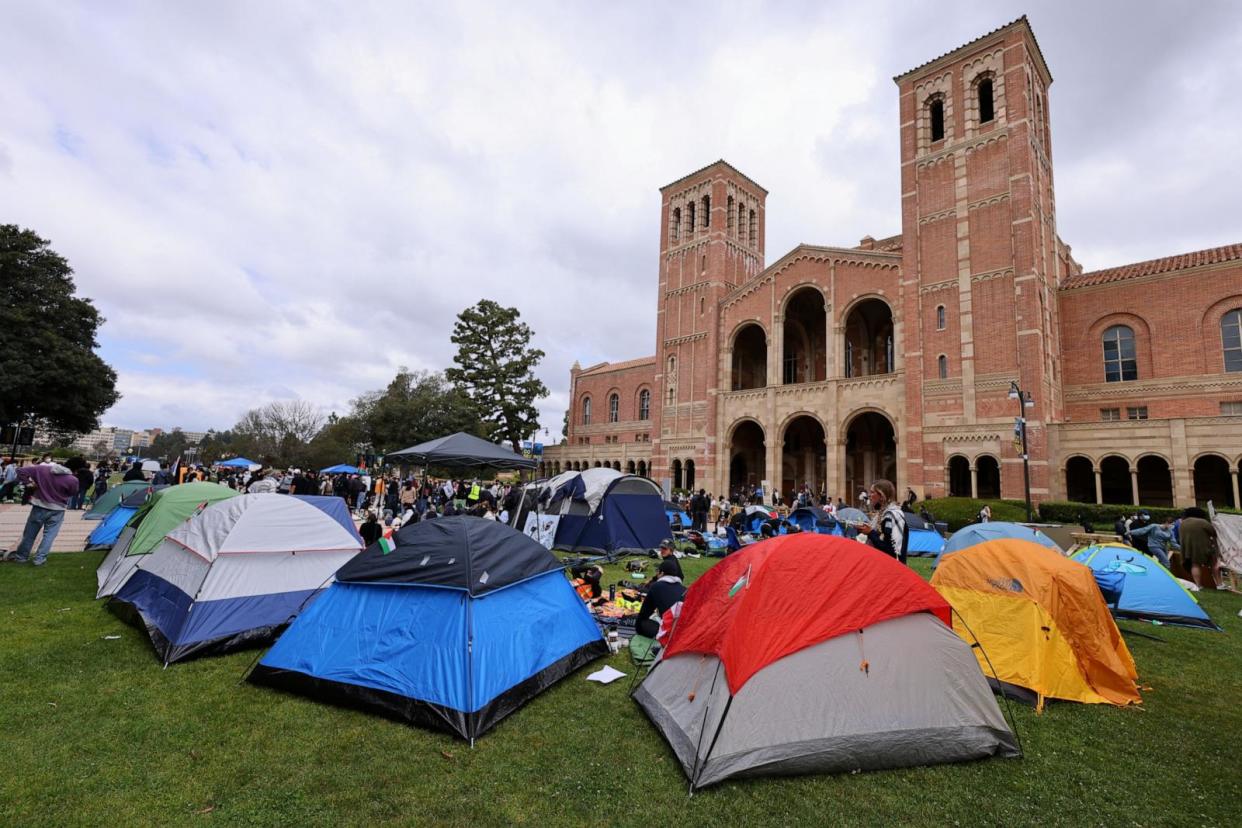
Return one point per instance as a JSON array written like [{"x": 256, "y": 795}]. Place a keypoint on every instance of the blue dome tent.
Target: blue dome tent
[
  {"x": 106, "y": 533},
  {"x": 994, "y": 530},
  {"x": 458, "y": 625},
  {"x": 814, "y": 520},
  {"x": 598, "y": 511},
  {"x": 923, "y": 538},
  {"x": 1149, "y": 592}
]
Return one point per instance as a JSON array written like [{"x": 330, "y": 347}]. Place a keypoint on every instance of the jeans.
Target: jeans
[
  {"x": 49, "y": 521},
  {"x": 1159, "y": 554}
]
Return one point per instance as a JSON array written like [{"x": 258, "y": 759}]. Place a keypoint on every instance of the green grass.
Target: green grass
[
  {"x": 93, "y": 731},
  {"x": 959, "y": 511}
]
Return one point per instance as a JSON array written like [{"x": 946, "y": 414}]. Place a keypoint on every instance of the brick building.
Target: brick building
[{"x": 898, "y": 357}]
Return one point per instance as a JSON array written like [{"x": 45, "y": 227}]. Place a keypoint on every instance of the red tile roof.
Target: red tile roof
[
  {"x": 1213, "y": 255},
  {"x": 608, "y": 367},
  {"x": 1020, "y": 21}
]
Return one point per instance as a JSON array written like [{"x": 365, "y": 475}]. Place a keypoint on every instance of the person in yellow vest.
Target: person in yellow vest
[{"x": 476, "y": 491}]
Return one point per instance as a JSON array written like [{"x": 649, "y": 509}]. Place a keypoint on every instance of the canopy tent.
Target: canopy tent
[
  {"x": 849, "y": 514},
  {"x": 340, "y": 468},
  {"x": 165, "y": 510},
  {"x": 454, "y": 628},
  {"x": 599, "y": 511},
  {"x": 922, "y": 537},
  {"x": 105, "y": 535},
  {"x": 741, "y": 688},
  {"x": 461, "y": 450},
  {"x": 1043, "y": 629},
  {"x": 239, "y": 463},
  {"x": 112, "y": 498},
  {"x": 977, "y": 533},
  {"x": 233, "y": 575},
  {"x": 1148, "y": 591}
]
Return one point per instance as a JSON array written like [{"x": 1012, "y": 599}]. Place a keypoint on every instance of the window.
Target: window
[
  {"x": 1231, "y": 409},
  {"x": 1110, "y": 415},
  {"x": 690, "y": 217},
  {"x": 707, "y": 211},
  {"x": 935, "y": 113},
  {"x": 741, "y": 221},
  {"x": 986, "y": 110},
  {"x": 1120, "y": 362},
  {"x": 702, "y": 306},
  {"x": 942, "y": 366},
  {"x": 1231, "y": 339},
  {"x": 644, "y": 404},
  {"x": 586, "y": 411},
  {"x": 614, "y": 408},
  {"x": 1136, "y": 412},
  {"x": 729, "y": 215},
  {"x": 754, "y": 229},
  {"x": 940, "y": 317},
  {"x": 703, "y": 265},
  {"x": 676, "y": 223}
]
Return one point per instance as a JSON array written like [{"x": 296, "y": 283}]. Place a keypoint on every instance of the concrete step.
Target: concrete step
[{"x": 71, "y": 538}]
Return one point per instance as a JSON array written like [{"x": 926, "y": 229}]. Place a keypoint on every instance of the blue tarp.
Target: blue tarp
[
  {"x": 995, "y": 530},
  {"x": 340, "y": 468},
  {"x": 1148, "y": 591},
  {"x": 109, "y": 529},
  {"x": 238, "y": 463}
]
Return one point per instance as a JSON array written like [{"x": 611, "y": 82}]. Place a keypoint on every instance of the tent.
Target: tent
[
  {"x": 861, "y": 672},
  {"x": 109, "y": 529},
  {"x": 600, "y": 511},
  {"x": 994, "y": 530},
  {"x": 1148, "y": 590},
  {"x": 1229, "y": 539},
  {"x": 678, "y": 518},
  {"x": 340, "y": 468},
  {"x": 461, "y": 450},
  {"x": 233, "y": 575},
  {"x": 239, "y": 463},
  {"x": 335, "y": 508},
  {"x": 112, "y": 498},
  {"x": 849, "y": 514},
  {"x": 165, "y": 510},
  {"x": 814, "y": 520},
  {"x": 1043, "y": 628},
  {"x": 458, "y": 626},
  {"x": 752, "y": 517},
  {"x": 923, "y": 539}
]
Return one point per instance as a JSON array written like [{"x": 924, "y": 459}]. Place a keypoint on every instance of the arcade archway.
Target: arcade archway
[
  {"x": 750, "y": 358},
  {"x": 804, "y": 457},
  {"x": 747, "y": 458},
  {"x": 804, "y": 358},
  {"x": 869, "y": 339},
  {"x": 870, "y": 452}
]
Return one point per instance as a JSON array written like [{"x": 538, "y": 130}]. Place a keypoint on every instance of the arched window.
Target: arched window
[
  {"x": 614, "y": 408},
  {"x": 586, "y": 410},
  {"x": 729, "y": 215},
  {"x": 1231, "y": 339},
  {"x": 690, "y": 216},
  {"x": 754, "y": 229},
  {"x": 942, "y": 366},
  {"x": 940, "y": 317},
  {"x": 986, "y": 109},
  {"x": 702, "y": 305},
  {"x": 644, "y": 404},
  {"x": 1120, "y": 362},
  {"x": 935, "y": 114},
  {"x": 670, "y": 379},
  {"x": 676, "y": 223},
  {"x": 707, "y": 211},
  {"x": 741, "y": 222}
]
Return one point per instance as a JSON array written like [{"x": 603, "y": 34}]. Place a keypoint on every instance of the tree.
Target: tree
[
  {"x": 415, "y": 407},
  {"x": 48, "y": 365},
  {"x": 496, "y": 369},
  {"x": 168, "y": 445},
  {"x": 277, "y": 433},
  {"x": 565, "y": 424}
]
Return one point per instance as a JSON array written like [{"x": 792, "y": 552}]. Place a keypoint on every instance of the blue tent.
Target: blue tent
[
  {"x": 814, "y": 520},
  {"x": 340, "y": 468},
  {"x": 105, "y": 534},
  {"x": 678, "y": 518},
  {"x": 237, "y": 463},
  {"x": 602, "y": 511},
  {"x": 923, "y": 539},
  {"x": 460, "y": 624},
  {"x": 1148, "y": 590},
  {"x": 983, "y": 532}
]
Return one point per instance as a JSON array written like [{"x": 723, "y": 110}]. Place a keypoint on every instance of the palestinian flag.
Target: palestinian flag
[
  {"x": 386, "y": 545},
  {"x": 741, "y": 583}
]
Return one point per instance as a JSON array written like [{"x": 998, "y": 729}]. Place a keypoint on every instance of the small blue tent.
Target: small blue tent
[
  {"x": 994, "y": 530},
  {"x": 602, "y": 511},
  {"x": 109, "y": 529},
  {"x": 923, "y": 539},
  {"x": 340, "y": 468},
  {"x": 678, "y": 518},
  {"x": 459, "y": 625},
  {"x": 1148, "y": 591},
  {"x": 237, "y": 463}
]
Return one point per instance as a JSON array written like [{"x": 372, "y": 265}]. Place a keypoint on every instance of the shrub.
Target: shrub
[
  {"x": 1103, "y": 514},
  {"x": 960, "y": 511}
]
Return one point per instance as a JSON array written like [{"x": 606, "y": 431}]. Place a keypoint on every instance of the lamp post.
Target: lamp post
[{"x": 1025, "y": 401}]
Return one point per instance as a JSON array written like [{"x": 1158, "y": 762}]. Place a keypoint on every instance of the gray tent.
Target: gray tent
[{"x": 461, "y": 451}]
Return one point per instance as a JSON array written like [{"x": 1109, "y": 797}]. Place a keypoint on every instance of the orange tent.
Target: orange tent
[{"x": 1040, "y": 621}]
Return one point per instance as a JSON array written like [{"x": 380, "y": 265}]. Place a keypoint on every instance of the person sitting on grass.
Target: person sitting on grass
[
  {"x": 667, "y": 553},
  {"x": 667, "y": 590}
]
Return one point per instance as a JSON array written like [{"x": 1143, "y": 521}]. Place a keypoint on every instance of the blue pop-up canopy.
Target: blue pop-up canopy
[
  {"x": 339, "y": 468},
  {"x": 237, "y": 463}
]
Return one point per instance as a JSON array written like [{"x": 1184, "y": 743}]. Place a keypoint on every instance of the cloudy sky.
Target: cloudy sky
[{"x": 272, "y": 201}]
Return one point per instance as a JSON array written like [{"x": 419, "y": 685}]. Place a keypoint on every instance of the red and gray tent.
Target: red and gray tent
[{"x": 811, "y": 653}]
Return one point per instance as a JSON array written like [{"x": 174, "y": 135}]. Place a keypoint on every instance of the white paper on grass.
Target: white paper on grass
[{"x": 606, "y": 675}]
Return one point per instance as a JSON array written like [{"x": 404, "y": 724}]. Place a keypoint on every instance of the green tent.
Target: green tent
[
  {"x": 164, "y": 511},
  {"x": 112, "y": 498}
]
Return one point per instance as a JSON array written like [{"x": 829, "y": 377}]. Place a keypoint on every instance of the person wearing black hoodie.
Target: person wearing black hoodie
[
  {"x": 663, "y": 594},
  {"x": 370, "y": 529},
  {"x": 134, "y": 473}
]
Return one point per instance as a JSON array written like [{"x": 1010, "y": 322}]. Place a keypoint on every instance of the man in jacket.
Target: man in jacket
[{"x": 53, "y": 485}]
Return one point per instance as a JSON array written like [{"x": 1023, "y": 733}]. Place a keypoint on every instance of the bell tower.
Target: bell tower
[{"x": 711, "y": 240}]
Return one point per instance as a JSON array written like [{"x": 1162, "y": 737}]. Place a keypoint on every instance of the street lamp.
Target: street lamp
[{"x": 1025, "y": 401}]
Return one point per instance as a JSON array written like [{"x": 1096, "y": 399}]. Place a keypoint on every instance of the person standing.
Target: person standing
[
  {"x": 1158, "y": 538},
  {"x": 52, "y": 485},
  {"x": 8, "y": 480},
  {"x": 888, "y": 532},
  {"x": 85, "y": 478},
  {"x": 1199, "y": 546},
  {"x": 134, "y": 473}
]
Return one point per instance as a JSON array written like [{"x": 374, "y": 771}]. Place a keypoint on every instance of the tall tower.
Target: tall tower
[
  {"x": 711, "y": 240},
  {"x": 980, "y": 248}
]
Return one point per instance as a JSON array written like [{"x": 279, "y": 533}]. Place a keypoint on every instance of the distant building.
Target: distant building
[{"x": 109, "y": 439}]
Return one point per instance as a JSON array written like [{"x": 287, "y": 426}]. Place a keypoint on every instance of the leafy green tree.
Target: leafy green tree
[
  {"x": 495, "y": 367},
  {"x": 167, "y": 445},
  {"x": 415, "y": 407},
  {"x": 48, "y": 366},
  {"x": 565, "y": 424}
]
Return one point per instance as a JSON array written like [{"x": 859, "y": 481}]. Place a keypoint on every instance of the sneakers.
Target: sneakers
[{"x": 11, "y": 557}]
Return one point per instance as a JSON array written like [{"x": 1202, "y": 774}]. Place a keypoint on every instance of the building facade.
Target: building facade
[{"x": 902, "y": 357}]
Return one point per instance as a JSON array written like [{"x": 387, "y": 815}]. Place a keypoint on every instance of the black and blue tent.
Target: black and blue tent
[
  {"x": 453, "y": 625},
  {"x": 814, "y": 520},
  {"x": 976, "y": 533},
  {"x": 604, "y": 512},
  {"x": 922, "y": 537}
]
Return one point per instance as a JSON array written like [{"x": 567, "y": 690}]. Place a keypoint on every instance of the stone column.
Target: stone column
[
  {"x": 1134, "y": 498},
  {"x": 974, "y": 482},
  {"x": 1233, "y": 478},
  {"x": 1099, "y": 487},
  {"x": 829, "y": 351}
]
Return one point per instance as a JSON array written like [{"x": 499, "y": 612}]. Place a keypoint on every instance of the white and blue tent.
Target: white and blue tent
[
  {"x": 598, "y": 511},
  {"x": 977, "y": 533},
  {"x": 234, "y": 574}
]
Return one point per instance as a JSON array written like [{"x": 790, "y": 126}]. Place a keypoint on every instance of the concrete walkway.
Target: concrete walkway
[{"x": 71, "y": 538}]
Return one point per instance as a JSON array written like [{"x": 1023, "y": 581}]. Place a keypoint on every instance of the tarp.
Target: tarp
[
  {"x": 1229, "y": 538},
  {"x": 104, "y": 535},
  {"x": 461, "y": 450},
  {"x": 340, "y": 468},
  {"x": 454, "y": 629},
  {"x": 238, "y": 463},
  {"x": 233, "y": 575},
  {"x": 994, "y": 530},
  {"x": 1148, "y": 590},
  {"x": 113, "y": 497},
  {"x": 1041, "y": 620}
]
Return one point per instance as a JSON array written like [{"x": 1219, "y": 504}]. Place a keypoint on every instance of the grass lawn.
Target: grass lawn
[{"x": 93, "y": 731}]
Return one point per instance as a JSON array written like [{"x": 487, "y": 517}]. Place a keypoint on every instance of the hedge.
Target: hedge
[
  {"x": 960, "y": 511},
  {"x": 1103, "y": 515}
]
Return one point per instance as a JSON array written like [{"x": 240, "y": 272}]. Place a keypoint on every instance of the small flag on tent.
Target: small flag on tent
[
  {"x": 386, "y": 546},
  {"x": 741, "y": 583}
]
